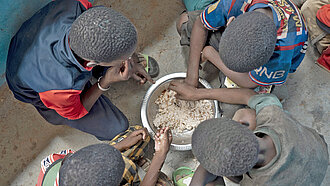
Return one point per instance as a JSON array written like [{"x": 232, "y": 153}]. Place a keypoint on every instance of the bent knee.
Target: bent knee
[
  {"x": 182, "y": 19},
  {"x": 112, "y": 132},
  {"x": 209, "y": 52}
]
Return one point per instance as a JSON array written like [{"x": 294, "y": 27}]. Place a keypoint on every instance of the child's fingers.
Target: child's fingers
[
  {"x": 143, "y": 72},
  {"x": 135, "y": 139},
  {"x": 125, "y": 73},
  {"x": 170, "y": 137},
  {"x": 142, "y": 82},
  {"x": 174, "y": 86},
  {"x": 135, "y": 133},
  {"x": 175, "y": 83},
  {"x": 157, "y": 140},
  {"x": 137, "y": 78},
  {"x": 179, "y": 96},
  {"x": 166, "y": 131},
  {"x": 169, "y": 132},
  {"x": 144, "y": 133}
]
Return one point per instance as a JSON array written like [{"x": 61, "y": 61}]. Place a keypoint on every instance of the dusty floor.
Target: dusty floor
[{"x": 26, "y": 138}]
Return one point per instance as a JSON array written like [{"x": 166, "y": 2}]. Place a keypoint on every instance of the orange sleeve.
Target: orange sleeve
[
  {"x": 86, "y": 3},
  {"x": 65, "y": 102}
]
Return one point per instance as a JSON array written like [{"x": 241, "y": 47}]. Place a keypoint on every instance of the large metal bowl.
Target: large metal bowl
[{"x": 181, "y": 141}]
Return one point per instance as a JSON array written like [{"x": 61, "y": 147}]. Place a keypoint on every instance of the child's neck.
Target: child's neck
[
  {"x": 79, "y": 59},
  {"x": 267, "y": 151}
]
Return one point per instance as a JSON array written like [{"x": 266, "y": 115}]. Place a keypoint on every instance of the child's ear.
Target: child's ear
[
  {"x": 91, "y": 64},
  {"x": 230, "y": 20}
]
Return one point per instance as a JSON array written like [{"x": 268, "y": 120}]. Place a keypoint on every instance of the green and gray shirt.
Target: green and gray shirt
[{"x": 301, "y": 153}]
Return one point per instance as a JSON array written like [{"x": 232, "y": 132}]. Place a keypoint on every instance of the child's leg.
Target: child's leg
[
  {"x": 202, "y": 177},
  {"x": 136, "y": 151},
  {"x": 104, "y": 120},
  {"x": 185, "y": 24},
  {"x": 182, "y": 19},
  {"x": 217, "y": 182},
  {"x": 318, "y": 37}
]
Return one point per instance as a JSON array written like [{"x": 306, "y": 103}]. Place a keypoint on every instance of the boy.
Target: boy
[
  {"x": 51, "y": 57},
  {"x": 280, "y": 151},
  {"x": 247, "y": 41},
  {"x": 104, "y": 164}
]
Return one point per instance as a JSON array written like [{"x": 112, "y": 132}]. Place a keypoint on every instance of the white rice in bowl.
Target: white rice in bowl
[{"x": 181, "y": 115}]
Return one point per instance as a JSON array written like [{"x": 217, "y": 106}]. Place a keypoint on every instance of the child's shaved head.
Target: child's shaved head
[
  {"x": 225, "y": 147},
  {"x": 99, "y": 164},
  {"x": 102, "y": 34},
  {"x": 248, "y": 42}
]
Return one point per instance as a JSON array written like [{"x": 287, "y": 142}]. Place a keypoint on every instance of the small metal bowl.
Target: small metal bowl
[{"x": 181, "y": 141}]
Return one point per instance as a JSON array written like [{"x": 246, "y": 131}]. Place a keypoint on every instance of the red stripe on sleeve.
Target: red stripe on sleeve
[
  {"x": 86, "y": 3},
  {"x": 290, "y": 47},
  {"x": 65, "y": 102}
]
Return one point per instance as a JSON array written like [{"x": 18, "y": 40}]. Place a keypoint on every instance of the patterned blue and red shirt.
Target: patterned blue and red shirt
[{"x": 291, "y": 41}]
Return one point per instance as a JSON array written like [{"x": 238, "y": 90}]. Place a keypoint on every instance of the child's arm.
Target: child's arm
[
  {"x": 163, "y": 139},
  {"x": 231, "y": 96},
  {"x": 120, "y": 72},
  {"x": 241, "y": 79},
  {"x": 202, "y": 177},
  {"x": 197, "y": 43},
  {"x": 132, "y": 139}
]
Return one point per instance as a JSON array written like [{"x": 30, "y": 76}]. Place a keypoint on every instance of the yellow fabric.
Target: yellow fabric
[{"x": 130, "y": 176}]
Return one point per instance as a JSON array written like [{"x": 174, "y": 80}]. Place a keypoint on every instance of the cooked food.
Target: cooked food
[{"x": 180, "y": 115}]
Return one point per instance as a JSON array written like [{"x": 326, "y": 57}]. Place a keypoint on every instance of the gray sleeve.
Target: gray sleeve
[{"x": 259, "y": 101}]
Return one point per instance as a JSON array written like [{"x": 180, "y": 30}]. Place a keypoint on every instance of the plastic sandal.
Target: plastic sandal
[
  {"x": 152, "y": 66},
  {"x": 186, "y": 175}
]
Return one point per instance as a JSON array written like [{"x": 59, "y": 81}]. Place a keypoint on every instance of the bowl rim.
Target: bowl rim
[{"x": 151, "y": 90}]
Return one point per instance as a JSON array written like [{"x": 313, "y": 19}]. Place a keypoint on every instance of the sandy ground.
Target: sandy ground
[{"x": 26, "y": 138}]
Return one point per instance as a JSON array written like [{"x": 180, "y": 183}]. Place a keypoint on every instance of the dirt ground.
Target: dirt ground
[{"x": 26, "y": 138}]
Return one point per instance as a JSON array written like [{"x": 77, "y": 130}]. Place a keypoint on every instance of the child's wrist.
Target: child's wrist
[
  {"x": 121, "y": 146},
  {"x": 160, "y": 155},
  {"x": 199, "y": 93},
  {"x": 118, "y": 147}
]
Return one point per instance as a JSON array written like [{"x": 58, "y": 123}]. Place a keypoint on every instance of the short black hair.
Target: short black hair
[
  {"x": 248, "y": 42},
  {"x": 225, "y": 147},
  {"x": 103, "y": 35},
  {"x": 99, "y": 164}
]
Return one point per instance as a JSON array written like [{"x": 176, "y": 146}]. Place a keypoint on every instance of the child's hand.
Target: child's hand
[
  {"x": 184, "y": 91},
  {"x": 132, "y": 139},
  {"x": 139, "y": 73},
  {"x": 163, "y": 140},
  {"x": 120, "y": 72}
]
